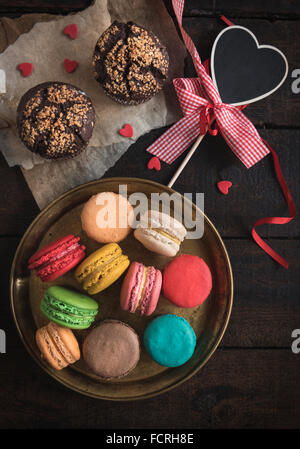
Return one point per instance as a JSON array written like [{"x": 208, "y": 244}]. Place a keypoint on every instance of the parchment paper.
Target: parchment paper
[{"x": 46, "y": 47}]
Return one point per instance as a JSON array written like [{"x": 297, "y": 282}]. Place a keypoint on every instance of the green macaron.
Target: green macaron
[{"x": 69, "y": 308}]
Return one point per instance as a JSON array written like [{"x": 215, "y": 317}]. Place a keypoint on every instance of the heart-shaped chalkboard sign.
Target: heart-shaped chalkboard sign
[{"x": 243, "y": 70}]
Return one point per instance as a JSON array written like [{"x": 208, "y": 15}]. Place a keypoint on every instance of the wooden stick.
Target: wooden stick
[{"x": 185, "y": 160}]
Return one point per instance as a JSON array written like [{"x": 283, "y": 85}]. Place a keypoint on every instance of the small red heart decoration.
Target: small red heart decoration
[
  {"x": 224, "y": 186},
  {"x": 25, "y": 68},
  {"x": 126, "y": 131},
  {"x": 70, "y": 66},
  {"x": 154, "y": 163},
  {"x": 71, "y": 31}
]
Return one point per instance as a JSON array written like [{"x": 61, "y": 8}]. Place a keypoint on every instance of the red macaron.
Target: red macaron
[
  {"x": 56, "y": 258},
  {"x": 141, "y": 289},
  {"x": 187, "y": 281}
]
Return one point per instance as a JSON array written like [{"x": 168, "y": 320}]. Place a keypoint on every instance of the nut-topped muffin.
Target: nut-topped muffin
[
  {"x": 55, "y": 120},
  {"x": 130, "y": 63}
]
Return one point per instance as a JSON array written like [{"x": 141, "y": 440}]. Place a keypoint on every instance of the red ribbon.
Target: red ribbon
[{"x": 201, "y": 104}]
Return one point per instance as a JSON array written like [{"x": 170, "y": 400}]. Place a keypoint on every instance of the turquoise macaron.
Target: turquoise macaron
[
  {"x": 69, "y": 308},
  {"x": 170, "y": 340}
]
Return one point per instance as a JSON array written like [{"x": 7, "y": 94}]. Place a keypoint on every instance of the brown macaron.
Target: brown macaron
[
  {"x": 130, "y": 63},
  {"x": 58, "y": 345},
  {"x": 55, "y": 120},
  {"x": 111, "y": 350}
]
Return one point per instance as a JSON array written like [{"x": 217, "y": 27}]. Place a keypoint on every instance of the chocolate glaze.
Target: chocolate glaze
[
  {"x": 55, "y": 120},
  {"x": 130, "y": 63}
]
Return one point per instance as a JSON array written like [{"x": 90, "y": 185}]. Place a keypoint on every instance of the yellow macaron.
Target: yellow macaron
[{"x": 102, "y": 268}]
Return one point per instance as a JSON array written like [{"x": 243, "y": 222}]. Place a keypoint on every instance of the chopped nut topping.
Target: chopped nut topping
[{"x": 130, "y": 63}]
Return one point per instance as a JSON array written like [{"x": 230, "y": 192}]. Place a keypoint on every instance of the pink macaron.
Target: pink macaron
[{"x": 141, "y": 289}]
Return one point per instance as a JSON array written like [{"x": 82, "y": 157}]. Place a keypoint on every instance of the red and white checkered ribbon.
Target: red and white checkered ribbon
[{"x": 200, "y": 102}]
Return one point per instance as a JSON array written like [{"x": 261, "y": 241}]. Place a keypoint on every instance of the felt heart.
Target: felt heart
[
  {"x": 70, "y": 66},
  {"x": 126, "y": 131},
  {"x": 154, "y": 163},
  {"x": 71, "y": 31},
  {"x": 243, "y": 70},
  {"x": 224, "y": 186},
  {"x": 25, "y": 68}
]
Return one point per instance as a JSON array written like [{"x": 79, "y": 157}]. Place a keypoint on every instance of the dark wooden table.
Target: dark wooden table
[{"x": 252, "y": 379}]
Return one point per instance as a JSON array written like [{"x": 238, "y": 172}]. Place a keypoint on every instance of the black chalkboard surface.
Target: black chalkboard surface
[{"x": 243, "y": 70}]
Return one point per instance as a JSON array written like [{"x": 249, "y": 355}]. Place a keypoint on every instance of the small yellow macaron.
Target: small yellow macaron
[{"x": 102, "y": 268}]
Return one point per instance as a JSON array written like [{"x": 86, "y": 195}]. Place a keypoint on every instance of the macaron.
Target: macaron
[
  {"x": 187, "y": 281},
  {"x": 102, "y": 268},
  {"x": 111, "y": 350},
  {"x": 58, "y": 345},
  {"x": 55, "y": 120},
  {"x": 141, "y": 289},
  {"x": 55, "y": 259},
  {"x": 107, "y": 217},
  {"x": 170, "y": 340},
  {"x": 160, "y": 233},
  {"x": 68, "y": 308}
]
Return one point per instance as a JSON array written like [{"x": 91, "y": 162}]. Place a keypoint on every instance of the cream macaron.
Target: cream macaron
[{"x": 160, "y": 233}]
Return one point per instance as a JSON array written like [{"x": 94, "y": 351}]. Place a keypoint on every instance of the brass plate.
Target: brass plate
[{"x": 209, "y": 320}]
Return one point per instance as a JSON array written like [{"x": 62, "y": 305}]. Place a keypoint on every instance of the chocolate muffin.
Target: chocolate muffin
[
  {"x": 130, "y": 63},
  {"x": 55, "y": 120}
]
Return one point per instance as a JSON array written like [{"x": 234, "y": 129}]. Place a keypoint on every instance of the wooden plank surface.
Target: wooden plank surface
[
  {"x": 17, "y": 206},
  {"x": 281, "y": 34},
  {"x": 279, "y": 9},
  {"x": 270, "y": 9}
]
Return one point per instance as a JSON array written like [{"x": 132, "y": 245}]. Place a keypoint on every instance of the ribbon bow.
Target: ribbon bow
[
  {"x": 201, "y": 103},
  {"x": 195, "y": 107}
]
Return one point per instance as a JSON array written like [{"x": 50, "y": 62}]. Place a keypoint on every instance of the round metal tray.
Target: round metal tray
[{"x": 209, "y": 320}]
